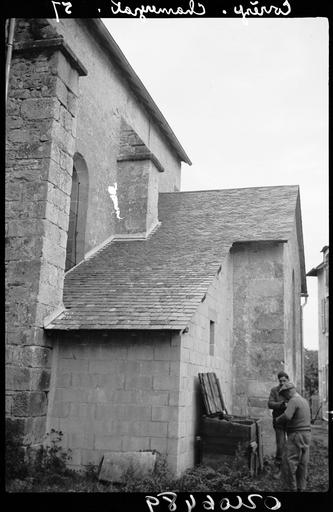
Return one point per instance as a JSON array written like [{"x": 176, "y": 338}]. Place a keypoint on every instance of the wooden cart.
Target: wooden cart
[{"x": 222, "y": 435}]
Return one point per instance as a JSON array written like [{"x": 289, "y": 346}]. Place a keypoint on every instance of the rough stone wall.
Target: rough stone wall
[
  {"x": 258, "y": 328},
  {"x": 115, "y": 393},
  {"x": 196, "y": 358},
  {"x": 40, "y": 124},
  {"x": 292, "y": 304},
  {"x": 105, "y": 99},
  {"x": 45, "y": 97}
]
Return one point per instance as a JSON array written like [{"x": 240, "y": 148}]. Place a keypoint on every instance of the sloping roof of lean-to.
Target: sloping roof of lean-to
[{"x": 158, "y": 283}]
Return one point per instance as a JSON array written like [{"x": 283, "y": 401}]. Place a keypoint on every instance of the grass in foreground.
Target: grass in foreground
[{"x": 51, "y": 475}]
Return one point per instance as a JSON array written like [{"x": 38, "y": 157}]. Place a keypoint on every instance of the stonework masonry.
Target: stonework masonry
[
  {"x": 263, "y": 299},
  {"x": 41, "y": 124},
  {"x": 105, "y": 101},
  {"x": 292, "y": 320},
  {"x": 46, "y": 99},
  {"x": 258, "y": 329}
]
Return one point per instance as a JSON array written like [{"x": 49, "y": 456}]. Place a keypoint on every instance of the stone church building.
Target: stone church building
[{"x": 120, "y": 288}]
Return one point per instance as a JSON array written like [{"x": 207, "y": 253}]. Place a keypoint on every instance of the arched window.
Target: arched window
[{"x": 77, "y": 214}]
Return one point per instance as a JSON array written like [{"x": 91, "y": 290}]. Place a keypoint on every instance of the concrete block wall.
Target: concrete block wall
[
  {"x": 258, "y": 331},
  {"x": 41, "y": 124},
  {"x": 196, "y": 358},
  {"x": 115, "y": 393}
]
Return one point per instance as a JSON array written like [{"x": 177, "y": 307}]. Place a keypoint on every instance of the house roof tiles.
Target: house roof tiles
[{"x": 159, "y": 282}]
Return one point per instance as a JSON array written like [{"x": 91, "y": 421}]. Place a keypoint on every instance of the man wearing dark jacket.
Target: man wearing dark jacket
[
  {"x": 278, "y": 405},
  {"x": 296, "y": 418}
]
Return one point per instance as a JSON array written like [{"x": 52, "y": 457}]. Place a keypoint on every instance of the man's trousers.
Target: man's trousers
[{"x": 295, "y": 460}]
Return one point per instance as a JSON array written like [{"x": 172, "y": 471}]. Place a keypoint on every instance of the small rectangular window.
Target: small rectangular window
[{"x": 211, "y": 337}]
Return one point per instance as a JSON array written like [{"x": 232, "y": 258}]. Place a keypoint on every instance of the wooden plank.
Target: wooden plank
[
  {"x": 203, "y": 393},
  {"x": 208, "y": 390},
  {"x": 211, "y": 392},
  {"x": 260, "y": 445},
  {"x": 227, "y": 436},
  {"x": 209, "y": 429},
  {"x": 242, "y": 420},
  {"x": 225, "y": 443},
  {"x": 208, "y": 404},
  {"x": 220, "y": 427},
  {"x": 216, "y": 396},
  {"x": 221, "y": 396},
  {"x": 207, "y": 394},
  {"x": 216, "y": 448}
]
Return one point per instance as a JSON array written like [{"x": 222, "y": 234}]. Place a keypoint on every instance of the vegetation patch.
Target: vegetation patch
[{"x": 47, "y": 471}]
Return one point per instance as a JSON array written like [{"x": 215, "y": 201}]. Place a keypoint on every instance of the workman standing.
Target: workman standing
[
  {"x": 296, "y": 419},
  {"x": 278, "y": 405}
]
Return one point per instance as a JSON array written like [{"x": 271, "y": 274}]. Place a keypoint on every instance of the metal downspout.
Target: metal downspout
[
  {"x": 305, "y": 296},
  {"x": 9, "y": 51}
]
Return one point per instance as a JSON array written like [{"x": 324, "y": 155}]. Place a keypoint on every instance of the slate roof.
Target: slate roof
[{"x": 158, "y": 283}]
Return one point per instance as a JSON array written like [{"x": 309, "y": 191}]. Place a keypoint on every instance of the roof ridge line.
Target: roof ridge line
[{"x": 224, "y": 189}]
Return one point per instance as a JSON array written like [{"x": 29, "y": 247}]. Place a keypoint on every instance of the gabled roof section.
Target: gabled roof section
[
  {"x": 139, "y": 89},
  {"x": 314, "y": 271},
  {"x": 159, "y": 282}
]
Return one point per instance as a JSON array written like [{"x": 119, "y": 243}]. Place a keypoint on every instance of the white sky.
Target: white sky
[{"x": 249, "y": 104}]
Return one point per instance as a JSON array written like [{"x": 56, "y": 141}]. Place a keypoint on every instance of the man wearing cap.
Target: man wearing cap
[
  {"x": 296, "y": 418},
  {"x": 278, "y": 405}
]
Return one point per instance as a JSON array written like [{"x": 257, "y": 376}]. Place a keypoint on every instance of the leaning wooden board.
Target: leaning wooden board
[
  {"x": 224, "y": 435},
  {"x": 211, "y": 393},
  {"x": 260, "y": 445}
]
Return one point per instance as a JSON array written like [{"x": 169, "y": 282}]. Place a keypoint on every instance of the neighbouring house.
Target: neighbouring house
[
  {"x": 121, "y": 288},
  {"x": 322, "y": 274}
]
